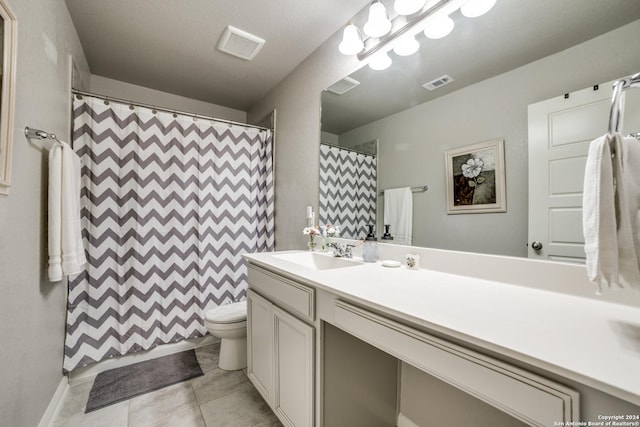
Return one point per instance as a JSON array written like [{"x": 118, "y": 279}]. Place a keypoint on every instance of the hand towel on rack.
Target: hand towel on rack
[
  {"x": 66, "y": 251},
  {"x": 611, "y": 212},
  {"x": 398, "y": 213}
]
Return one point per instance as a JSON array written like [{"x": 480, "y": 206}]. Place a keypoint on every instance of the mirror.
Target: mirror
[
  {"x": 496, "y": 65},
  {"x": 8, "y": 32}
]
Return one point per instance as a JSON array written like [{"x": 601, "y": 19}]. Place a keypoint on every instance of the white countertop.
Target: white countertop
[{"x": 593, "y": 342}]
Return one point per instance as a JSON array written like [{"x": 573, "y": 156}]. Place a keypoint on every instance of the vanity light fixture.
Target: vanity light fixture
[
  {"x": 400, "y": 35},
  {"x": 378, "y": 24},
  {"x": 408, "y": 45},
  {"x": 380, "y": 61},
  {"x": 408, "y": 7},
  {"x": 439, "y": 28},
  {"x": 351, "y": 41}
]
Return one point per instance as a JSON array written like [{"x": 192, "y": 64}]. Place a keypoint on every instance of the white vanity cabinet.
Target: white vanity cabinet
[
  {"x": 280, "y": 345},
  {"x": 367, "y": 346}
]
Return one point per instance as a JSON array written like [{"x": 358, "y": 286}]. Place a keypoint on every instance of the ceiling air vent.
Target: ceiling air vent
[
  {"x": 438, "y": 83},
  {"x": 240, "y": 43},
  {"x": 343, "y": 86}
]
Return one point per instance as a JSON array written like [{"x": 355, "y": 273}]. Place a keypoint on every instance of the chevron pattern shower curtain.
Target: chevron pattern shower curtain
[
  {"x": 169, "y": 204},
  {"x": 347, "y": 190}
]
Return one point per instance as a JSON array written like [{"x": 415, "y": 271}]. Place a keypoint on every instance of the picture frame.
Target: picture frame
[
  {"x": 475, "y": 178},
  {"x": 9, "y": 33}
]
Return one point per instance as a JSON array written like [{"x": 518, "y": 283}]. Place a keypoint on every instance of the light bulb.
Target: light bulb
[
  {"x": 378, "y": 24},
  {"x": 439, "y": 28},
  {"x": 475, "y": 8},
  {"x": 407, "y": 46},
  {"x": 351, "y": 42},
  {"x": 380, "y": 61},
  {"x": 408, "y": 7}
]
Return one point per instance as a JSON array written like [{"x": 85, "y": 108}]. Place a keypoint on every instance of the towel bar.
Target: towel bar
[
  {"x": 31, "y": 133},
  {"x": 419, "y": 189}
]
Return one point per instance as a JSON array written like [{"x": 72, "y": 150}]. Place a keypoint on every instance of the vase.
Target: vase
[{"x": 312, "y": 245}]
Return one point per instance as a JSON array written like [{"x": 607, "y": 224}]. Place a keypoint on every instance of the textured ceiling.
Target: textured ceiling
[
  {"x": 512, "y": 34},
  {"x": 170, "y": 45}
]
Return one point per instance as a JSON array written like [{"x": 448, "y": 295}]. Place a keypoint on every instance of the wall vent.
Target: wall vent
[
  {"x": 438, "y": 83},
  {"x": 240, "y": 43},
  {"x": 343, "y": 86}
]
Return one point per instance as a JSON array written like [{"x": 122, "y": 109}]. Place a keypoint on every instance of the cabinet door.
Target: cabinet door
[
  {"x": 294, "y": 370},
  {"x": 260, "y": 344}
]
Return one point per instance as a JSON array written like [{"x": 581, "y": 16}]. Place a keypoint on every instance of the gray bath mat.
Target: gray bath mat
[{"x": 116, "y": 385}]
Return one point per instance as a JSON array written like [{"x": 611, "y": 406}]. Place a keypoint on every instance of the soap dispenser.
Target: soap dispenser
[
  {"x": 370, "y": 249},
  {"x": 386, "y": 235}
]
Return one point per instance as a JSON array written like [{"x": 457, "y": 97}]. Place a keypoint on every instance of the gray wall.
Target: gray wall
[
  {"x": 412, "y": 143},
  {"x": 32, "y": 310},
  {"x": 297, "y": 101},
  {"x": 130, "y": 92}
]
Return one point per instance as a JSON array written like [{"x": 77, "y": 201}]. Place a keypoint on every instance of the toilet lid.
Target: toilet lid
[{"x": 229, "y": 313}]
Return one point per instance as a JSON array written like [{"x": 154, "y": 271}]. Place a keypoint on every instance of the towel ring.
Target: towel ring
[{"x": 617, "y": 101}]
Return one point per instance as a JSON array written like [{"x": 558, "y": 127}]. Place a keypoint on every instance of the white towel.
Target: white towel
[
  {"x": 66, "y": 251},
  {"x": 398, "y": 213},
  {"x": 611, "y": 212}
]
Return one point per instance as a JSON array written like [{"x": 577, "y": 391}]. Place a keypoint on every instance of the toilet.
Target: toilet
[{"x": 229, "y": 323}]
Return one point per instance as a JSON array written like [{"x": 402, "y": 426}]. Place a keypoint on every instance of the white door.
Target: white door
[
  {"x": 260, "y": 344},
  {"x": 293, "y": 368},
  {"x": 560, "y": 130}
]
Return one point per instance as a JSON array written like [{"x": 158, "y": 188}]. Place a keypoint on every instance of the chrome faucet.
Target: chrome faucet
[{"x": 341, "y": 251}]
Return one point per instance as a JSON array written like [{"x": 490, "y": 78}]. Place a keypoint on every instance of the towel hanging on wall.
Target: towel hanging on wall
[
  {"x": 66, "y": 251},
  {"x": 611, "y": 212},
  {"x": 398, "y": 213}
]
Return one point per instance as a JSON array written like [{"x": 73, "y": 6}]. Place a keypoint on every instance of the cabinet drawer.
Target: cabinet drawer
[
  {"x": 533, "y": 399},
  {"x": 296, "y": 298}
]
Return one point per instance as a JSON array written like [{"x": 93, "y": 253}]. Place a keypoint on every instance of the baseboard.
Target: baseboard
[
  {"x": 55, "y": 404},
  {"x": 88, "y": 373},
  {"x": 405, "y": 422}
]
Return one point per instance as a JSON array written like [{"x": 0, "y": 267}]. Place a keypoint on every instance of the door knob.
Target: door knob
[{"x": 536, "y": 246}]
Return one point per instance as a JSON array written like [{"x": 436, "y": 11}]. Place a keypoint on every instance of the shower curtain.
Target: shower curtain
[
  {"x": 347, "y": 190},
  {"x": 169, "y": 202}
]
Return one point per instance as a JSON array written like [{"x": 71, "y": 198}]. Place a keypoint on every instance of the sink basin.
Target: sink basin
[{"x": 317, "y": 261}]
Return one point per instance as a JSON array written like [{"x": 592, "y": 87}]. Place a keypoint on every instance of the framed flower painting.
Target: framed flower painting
[{"x": 475, "y": 178}]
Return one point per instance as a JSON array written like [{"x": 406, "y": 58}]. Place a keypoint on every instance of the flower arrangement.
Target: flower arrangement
[
  {"x": 312, "y": 232},
  {"x": 329, "y": 230},
  {"x": 326, "y": 231}
]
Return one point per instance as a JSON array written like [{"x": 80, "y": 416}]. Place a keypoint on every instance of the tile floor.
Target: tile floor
[{"x": 217, "y": 399}]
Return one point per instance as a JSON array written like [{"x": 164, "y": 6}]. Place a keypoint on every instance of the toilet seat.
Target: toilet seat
[{"x": 229, "y": 313}]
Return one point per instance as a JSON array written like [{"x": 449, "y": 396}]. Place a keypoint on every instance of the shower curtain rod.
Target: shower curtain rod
[
  {"x": 353, "y": 150},
  {"x": 165, "y": 109}
]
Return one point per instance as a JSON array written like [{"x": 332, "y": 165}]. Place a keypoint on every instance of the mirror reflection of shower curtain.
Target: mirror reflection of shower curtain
[{"x": 347, "y": 190}]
